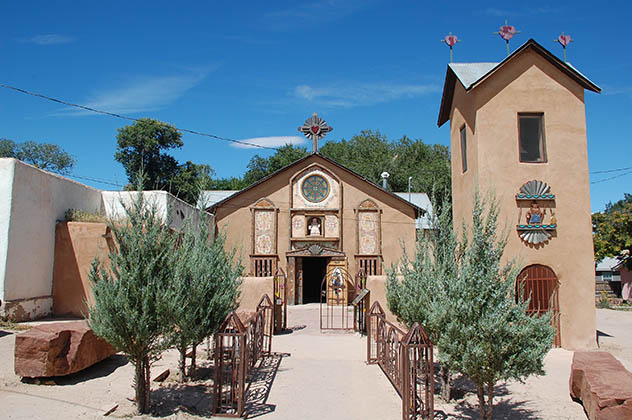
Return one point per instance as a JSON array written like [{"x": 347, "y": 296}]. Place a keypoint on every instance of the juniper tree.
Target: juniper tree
[
  {"x": 205, "y": 287},
  {"x": 488, "y": 335},
  {"x": 131, "y": 305},
  {"x": 417, "y": 293}
]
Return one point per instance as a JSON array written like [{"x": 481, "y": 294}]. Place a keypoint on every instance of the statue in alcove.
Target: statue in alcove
[
  {"x": 314, "y": 227},
  {"x": 535, "y": 215}
]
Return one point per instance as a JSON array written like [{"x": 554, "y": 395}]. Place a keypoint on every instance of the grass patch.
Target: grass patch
[{"x": 75, "y": 215}]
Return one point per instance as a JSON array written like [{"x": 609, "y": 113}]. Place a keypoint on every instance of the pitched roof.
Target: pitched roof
[
  {"x": 328, "y": 160},
  {"x": 473, "y": 74}
]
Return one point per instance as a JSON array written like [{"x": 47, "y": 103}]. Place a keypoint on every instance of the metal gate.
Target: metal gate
[
  {"x": 343, "y": 300},
  {"x": 280, "y": 301},
  {"x": 540, "y": 283}
]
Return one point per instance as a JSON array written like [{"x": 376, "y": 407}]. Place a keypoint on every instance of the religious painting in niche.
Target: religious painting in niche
[
  {"x": 315, "y": 188},
  {"x": 368, "y": 233},
  {"x": 264, "y": 232},
  {"x": 536, "y": 213},
  {"x": 314, "y": 227}
]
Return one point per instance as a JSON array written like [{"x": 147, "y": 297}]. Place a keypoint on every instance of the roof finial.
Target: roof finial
[
  {"x": 564, "y": 40},
  {"x": 450, "y": 40},
  {"x": 315, "y": 128},
  {"x": 507, "y": 32}
]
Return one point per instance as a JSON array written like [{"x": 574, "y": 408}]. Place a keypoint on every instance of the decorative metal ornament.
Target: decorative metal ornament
[
  {"x": 564, "y": 40},
  {"x": 451, "y": 40},
  {"x": 507, "y": 32},
  {"x": 315, "y": 128}
]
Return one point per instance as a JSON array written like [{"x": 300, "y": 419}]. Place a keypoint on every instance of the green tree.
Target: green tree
[
  {"x": 612, "y": 230},
  {"x": 260, "y": 167},
  {"x": 488, "y": 335},
  {"x": 189, "y": 179},
  {"x": 371, "y": 153},
  {"x": 368, "y": 153},
  {"x": 131, "y": 301},
  {"x": 416, "y": 289},
  {"x": 204, "y": 289},
  {"x": 47, "y": 156},
  {"x": 232, "y": 183},
  {"x": 142, "y": 146}
]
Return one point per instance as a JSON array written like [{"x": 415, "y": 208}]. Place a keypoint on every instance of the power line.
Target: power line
[
  {"x": 612, "y": 177},
  {"x": 101, "y": 181},
  {"x": 611, "y": 170},
  {"x": 112, "y": 114}
]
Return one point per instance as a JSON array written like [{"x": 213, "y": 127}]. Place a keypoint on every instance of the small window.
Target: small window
[
  {"x": 532, "y": 145},
  {"x": 463, "y": 149},
  {"x": 606, "y": 276}
]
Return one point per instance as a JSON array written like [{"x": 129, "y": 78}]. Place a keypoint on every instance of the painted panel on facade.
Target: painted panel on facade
[
  {"x": 368, "y": 233},
  {"x": 331, "y": 226},
  {"x": 264, "y": 232},
  {"x": 298, "y": 226}
]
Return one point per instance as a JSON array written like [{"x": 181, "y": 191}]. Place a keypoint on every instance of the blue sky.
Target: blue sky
[{"x": 256, "y": 70}]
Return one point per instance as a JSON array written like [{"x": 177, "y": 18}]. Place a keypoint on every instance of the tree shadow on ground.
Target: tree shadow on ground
[
  {"x": 261, "y": 380},
  {"x": 5, "y": 333},
  {"x": 101, "y": 369},
  {"x": 193, "y": 398},
  {"x": 506, "y": 409}
]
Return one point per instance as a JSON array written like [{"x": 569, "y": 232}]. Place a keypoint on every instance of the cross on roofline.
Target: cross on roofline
[{"x": 315, "y": 128}]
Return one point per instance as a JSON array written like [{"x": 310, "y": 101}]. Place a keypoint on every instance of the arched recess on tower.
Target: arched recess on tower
[{"x": 541, "y": 284}]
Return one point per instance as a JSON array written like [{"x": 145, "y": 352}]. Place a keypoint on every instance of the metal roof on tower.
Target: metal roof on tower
[{"x": 470, "y": 75}]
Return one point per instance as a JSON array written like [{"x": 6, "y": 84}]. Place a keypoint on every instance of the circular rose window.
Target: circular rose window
[{"x": 315, "y": 188}]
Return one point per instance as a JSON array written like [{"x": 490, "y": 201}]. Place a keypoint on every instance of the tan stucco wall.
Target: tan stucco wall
[
  {"x": 76, "y": 246},
  {"x": 251, "y": 291},
  {"x": 529, "y": 83},
  {"x": 397, "y": 218}
]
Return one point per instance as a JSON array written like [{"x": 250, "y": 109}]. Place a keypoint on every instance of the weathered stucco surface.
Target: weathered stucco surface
[
  {"x": 234, "y": 218},
  {"x": 529, "y": 83},
  {"x": 76, "y": 246}
]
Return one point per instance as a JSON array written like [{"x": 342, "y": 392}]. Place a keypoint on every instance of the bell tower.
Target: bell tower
[{"x": 518, "y": 128}]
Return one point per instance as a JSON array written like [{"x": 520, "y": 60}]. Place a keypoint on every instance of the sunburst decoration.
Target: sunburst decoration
[
  {"x": 535, "y": 236},
  {"x": 534, "y": 190}
]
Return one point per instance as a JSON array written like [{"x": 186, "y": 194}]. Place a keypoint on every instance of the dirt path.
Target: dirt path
[{"x": 313, "y": 375}]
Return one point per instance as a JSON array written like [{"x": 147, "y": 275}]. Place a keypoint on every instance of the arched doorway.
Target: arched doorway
[{"x": 540, "y": 282}]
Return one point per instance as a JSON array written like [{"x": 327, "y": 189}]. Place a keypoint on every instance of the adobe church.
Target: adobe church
[
  {"x": 517, "y": 127},
  {"x": 314, "y": 215}
]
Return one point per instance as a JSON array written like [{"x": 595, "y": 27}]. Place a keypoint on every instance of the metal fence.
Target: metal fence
[
  {"x": 238, "y": 346},
  {"x": 406, "y": 360}
]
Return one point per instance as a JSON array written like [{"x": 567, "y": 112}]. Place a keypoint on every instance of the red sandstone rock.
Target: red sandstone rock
[
  {"x": 603, "y": 385},
  {"x": 57, "y": 349}
]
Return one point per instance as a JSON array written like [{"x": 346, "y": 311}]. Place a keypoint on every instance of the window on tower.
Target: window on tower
[{"x": 531, "y": 138}]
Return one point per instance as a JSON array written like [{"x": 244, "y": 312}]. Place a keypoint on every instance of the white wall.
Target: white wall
[
  {"x": 171, "y": 209},
  {"x": 33, "y": 200},
  {"x": 31, "y": 203}
]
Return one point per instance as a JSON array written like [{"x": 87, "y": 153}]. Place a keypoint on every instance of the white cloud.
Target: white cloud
[
  {"x": 315, "y": 12},
  {"x": 274, "y": 141},
  {"x": 141, "y": 95},
  {"x": 362, "y": 94},
  {"x": 48, "y": 39}
]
